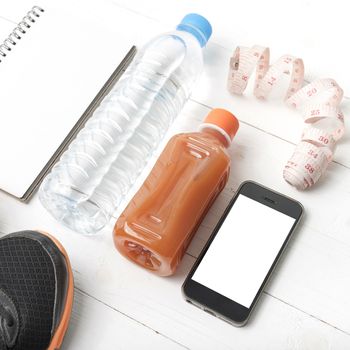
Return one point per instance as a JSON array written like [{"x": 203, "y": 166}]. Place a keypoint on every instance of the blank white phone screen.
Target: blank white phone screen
[{"x": 241, "y": 254}]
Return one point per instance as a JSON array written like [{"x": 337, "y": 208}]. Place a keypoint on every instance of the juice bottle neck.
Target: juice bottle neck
[{"x": 217, "y": 134}]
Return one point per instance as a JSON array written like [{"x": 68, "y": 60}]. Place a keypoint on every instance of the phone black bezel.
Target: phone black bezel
[{"x": 215, "y": 303}]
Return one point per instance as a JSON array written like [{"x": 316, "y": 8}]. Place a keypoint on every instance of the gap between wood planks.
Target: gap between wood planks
[
  {"x": 7, "y": 20},
  {"x": 264, "y": 131},
  {"x": 306, "y": 313},
  {"x": 79, "y": 290},
  {"x": 128, "y": 316},
  {"x": 294, "y": 307}
]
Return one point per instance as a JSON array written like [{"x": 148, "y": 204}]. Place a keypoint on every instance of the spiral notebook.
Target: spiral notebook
[{"x": 56, "y": 65}]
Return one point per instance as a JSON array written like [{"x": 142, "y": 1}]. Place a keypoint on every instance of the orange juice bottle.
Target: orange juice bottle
[{"x": 158, "y": 224}]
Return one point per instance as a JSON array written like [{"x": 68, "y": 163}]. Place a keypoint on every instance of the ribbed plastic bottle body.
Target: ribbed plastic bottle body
[{"x": 95, "y": 173}]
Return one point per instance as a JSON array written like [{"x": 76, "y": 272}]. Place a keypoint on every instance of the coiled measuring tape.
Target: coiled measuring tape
[{"x": 318, "y": 102}]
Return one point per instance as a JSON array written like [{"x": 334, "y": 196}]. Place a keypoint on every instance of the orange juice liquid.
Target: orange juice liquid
[{"x": 157, "y": 226}]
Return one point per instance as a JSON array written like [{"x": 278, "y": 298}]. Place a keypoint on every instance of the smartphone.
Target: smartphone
[{"x": 242, "y": 252}]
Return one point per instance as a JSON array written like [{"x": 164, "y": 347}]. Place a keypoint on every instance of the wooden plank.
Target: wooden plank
[
  {"x": 96, "y": 326},
  {"x": 158, "y": 302}
]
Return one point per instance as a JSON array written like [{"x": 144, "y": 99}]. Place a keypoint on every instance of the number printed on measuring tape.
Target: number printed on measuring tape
[{"x": 317, "y": 145}]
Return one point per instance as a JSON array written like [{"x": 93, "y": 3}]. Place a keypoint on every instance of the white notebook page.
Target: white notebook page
[{"x": 48, "y": 80}]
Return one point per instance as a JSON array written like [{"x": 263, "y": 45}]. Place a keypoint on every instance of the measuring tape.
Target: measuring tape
[{"x": 318, "y": 102}]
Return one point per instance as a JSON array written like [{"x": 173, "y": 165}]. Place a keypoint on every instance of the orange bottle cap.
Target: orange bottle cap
[{"x": 222, "y": 121}]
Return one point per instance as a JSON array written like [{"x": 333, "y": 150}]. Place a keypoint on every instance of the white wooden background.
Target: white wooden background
[{"x": 307, "y": 303}]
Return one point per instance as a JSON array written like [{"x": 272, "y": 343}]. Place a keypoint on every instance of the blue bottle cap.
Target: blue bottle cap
[{"x": 198, "y": 26}]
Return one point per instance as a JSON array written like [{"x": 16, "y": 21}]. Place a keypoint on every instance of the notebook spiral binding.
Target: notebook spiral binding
[{"x": 20, "y": 30}]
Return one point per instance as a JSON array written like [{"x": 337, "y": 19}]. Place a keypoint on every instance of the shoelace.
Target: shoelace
[{"x": 324, "y": 121}]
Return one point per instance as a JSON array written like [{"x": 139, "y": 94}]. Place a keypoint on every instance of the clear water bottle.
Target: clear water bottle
[{"x": 87, "y": 184}]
